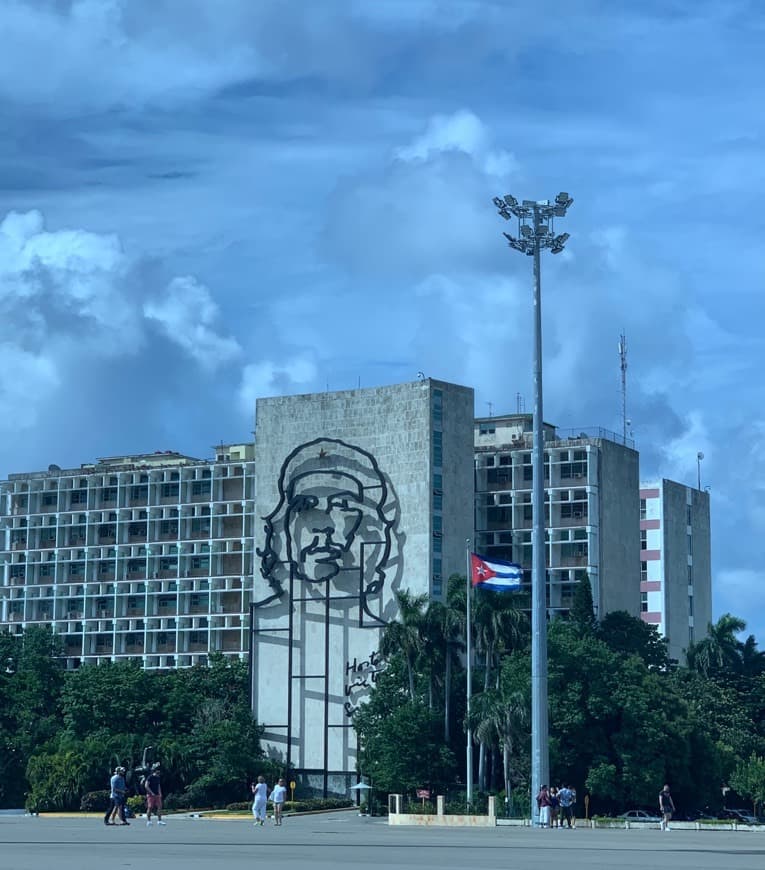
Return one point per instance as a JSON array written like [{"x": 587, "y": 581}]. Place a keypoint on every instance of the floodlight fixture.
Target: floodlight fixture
[
  {"x": 515, "y": 243},
  {"x": 511, "y": 200},
  {"x": 526, "y": 230}
]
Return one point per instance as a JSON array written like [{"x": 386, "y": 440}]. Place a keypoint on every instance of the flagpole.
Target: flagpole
[{"x": 468, "y": 643}]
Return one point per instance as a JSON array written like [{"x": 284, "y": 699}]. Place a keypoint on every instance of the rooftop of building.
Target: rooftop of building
[
  {"x": 519, "y": 428},
  {"x": 240, "y": 452}
]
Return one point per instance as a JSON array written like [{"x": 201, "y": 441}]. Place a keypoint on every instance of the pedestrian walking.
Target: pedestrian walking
[
  {"x": 666, "y": 807},
  {"x": 117, "y": 795},
  {"x": 153, "y": 786},
  {"x": 260, "y": 798},
  {"x": 278, "y": 796}
]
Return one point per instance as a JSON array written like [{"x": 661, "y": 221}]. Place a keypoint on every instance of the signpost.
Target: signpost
[
  {"x": 423, "y": 793},
  {"x": 292, "y": 789}
]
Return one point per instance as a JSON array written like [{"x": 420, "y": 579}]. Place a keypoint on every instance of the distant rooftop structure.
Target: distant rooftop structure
[{"x": 517, "y": 430}]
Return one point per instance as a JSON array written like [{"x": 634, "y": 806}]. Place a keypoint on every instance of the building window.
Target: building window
[
  {"x": 689, "y": 515},
  {"x": 200, "y": 563},
  {"x": 690, "y": 545},
  {"x": 644, "y": 571},
  {"x": 109, "y": 494},
  {"x": 690, "y": 575},
  {"x": 690, "y": 605},
  {"x": 438, "y": 449},
  {"x": 169, "y": 490},
  {"x": 79, "y": 496},
  {"x": 486, "y": 428},
  {"x": 200, "y": 487},
  {"x": 49, "y": 499},
  {"x": 644, "y": 602},
  {"x": 438, "y": 501},
  {"x": 643, "y": 539},
  {"x": 642, "y": 509},
  {"x": 139, "y": 493}
]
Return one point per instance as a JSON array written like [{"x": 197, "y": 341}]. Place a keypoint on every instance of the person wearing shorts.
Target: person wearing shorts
[
  {"x": 666, "y": 807},
  {"x": 278, "y": 796},
  {"x": 117, "y": 795},
  {"x": 153, "y": 795}
]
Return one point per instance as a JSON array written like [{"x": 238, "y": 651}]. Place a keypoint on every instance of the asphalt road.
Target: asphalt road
[{"x": 343, "y": 840}]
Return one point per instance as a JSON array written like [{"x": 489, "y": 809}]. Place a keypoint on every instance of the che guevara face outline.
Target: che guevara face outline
[{"x": 324, "y": 512}]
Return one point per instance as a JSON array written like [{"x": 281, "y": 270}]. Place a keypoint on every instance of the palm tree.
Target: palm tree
[
  {"x": 752, "y": 659},
  {"x": 500, "y": 718},
  {"x": 405, "y": 634},
  {"x": 498, "y": 629},
  {"x": 443, "y": 628},
  {"x": 720, "y": 651}
]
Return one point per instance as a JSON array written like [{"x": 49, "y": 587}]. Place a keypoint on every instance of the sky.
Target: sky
[{"x": 205, "y": 203}]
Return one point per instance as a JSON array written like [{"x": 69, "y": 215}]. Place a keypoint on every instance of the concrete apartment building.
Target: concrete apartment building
[
  {"x": 146, "y": 556},
  {"x": 591, "y": 508},
  {"x": 675, "y": 562}
]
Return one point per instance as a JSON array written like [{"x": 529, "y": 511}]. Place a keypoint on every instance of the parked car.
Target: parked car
[
  {"x": 639, "y": 816},
  {"x": 743, "y": 817}
]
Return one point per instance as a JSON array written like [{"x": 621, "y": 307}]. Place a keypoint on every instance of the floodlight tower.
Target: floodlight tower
[{"x": 536, "y": 231}]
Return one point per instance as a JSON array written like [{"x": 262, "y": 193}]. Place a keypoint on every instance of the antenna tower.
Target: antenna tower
[{"x": 623, "y": 367}]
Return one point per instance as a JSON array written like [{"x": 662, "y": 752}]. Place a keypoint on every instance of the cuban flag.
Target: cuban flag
[{"x": 495, "y": 574}]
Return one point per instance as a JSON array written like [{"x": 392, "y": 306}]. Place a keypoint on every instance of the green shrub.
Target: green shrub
[
  {"x": 95, "y": 801},
  {"x": 239, "y": 807},
  {"x": 426, "y": 808},
  {"x": 137, "y": 803}
]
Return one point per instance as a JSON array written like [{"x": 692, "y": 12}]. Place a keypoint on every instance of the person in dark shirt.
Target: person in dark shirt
[
  {"x": 153, "y": 795},
  {"x": 666, "y": 807}
]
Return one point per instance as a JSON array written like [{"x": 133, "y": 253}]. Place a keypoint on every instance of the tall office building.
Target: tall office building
[
  {"x": 362, "y": 494},
  {"x": 143, "y": 557},
  {"x": 591, "y": 508},
  {"x": 675, "y": 562}
]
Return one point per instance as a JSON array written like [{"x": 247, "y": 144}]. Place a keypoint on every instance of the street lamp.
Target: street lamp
[
  {"x": 536, "y": 231},
  {"x": 699, "y": 457}
]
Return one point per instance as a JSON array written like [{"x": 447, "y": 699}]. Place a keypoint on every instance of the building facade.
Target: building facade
[
  {"x": 143, "y": 557},
  {"x": 591, "y": 509},
  {"x": 675, "y": 562},
  {"x": 360, "y": 494}
]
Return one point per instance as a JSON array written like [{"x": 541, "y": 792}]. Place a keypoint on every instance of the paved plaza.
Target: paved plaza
[{"x": 344, "y": 840}]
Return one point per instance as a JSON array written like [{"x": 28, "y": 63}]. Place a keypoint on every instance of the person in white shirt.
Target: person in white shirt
[
  {"x": 260, "y": 795},
  {"x": 278, "y": 796}
]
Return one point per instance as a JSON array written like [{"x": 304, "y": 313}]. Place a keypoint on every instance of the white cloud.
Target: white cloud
[
  {"x": 27, "y": 380},
  {"x": 267, "y": 378},
  {"x": 49, "y": 275},
  {"x": 463, "y": 132},
  {"x": 186, "y": 314}
]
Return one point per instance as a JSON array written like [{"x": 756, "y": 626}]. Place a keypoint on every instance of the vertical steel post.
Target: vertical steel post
[{"x": 539, "y": 712}]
